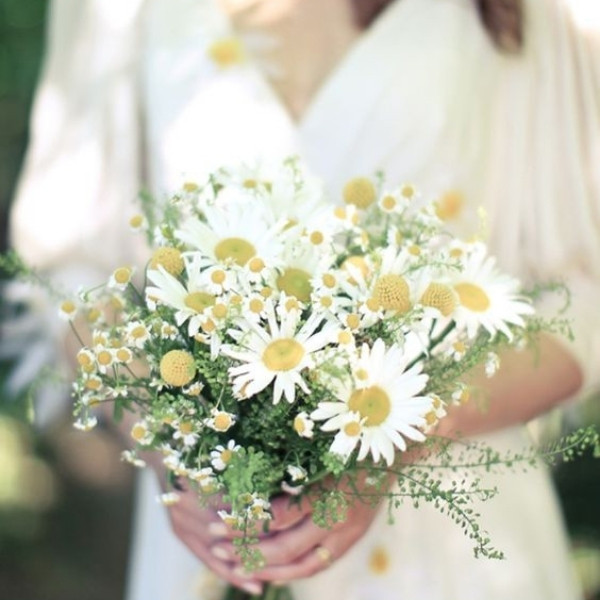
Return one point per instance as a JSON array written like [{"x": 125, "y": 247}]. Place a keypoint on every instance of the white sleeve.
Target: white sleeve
[
  {"x": 81, "y": 174},
  {"x": 546, "y": 135},
  {"x": 82, "y": 167}
]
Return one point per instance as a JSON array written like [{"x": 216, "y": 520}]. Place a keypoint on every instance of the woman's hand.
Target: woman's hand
[
  {"x": 200, "y": 529},
  {"x": 295, "y": 547}
]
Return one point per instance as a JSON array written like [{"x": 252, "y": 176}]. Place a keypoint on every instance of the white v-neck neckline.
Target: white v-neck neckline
[{"x": 341, "y": 71}]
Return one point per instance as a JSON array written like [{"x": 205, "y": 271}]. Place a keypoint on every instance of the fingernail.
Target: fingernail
[
  {"x": 241, "y": 572},
  {"x": 218, "y": 529},
  {"x": 252, "y": 588},
  {"x": 220, "y": 553}
]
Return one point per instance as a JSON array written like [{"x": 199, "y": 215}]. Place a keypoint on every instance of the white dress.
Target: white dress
[{"x": 422, "y": 96}]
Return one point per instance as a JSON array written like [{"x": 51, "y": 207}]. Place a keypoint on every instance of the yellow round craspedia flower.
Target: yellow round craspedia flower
[
  {"x": 440, "y": 296},
  {"x": 360, "y": 191},
  {"x": 177, "y": 368},
  {"x": 169, "y": 259},
  {"x": 392, "y": 293}
]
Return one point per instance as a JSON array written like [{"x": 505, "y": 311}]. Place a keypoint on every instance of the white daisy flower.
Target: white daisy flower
[
  {"x": 486, "y": 297},
  {"x": 67, "y": 310},
  {"x": 186, "y": 432},
  {"x": 234, "y": 233},
  {"x": 492, "y": 364},
  {"x": 120, "y": 278},
  {"x": 136, "y": 334},
  {"x": 296, "y": 473},
  {"x": 303, "y": 425},
  {"x": 221, "y": 456},
  {"x": 220, "y": 420},
  {"x": 386, "y": 397},
  {"x": 280, "y": 353},
  {"x": 192, "y": 302}
]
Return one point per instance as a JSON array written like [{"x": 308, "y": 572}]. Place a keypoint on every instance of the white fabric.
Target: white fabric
[{"x": 423, "y": 96}]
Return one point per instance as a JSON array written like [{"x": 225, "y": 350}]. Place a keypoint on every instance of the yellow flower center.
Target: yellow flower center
[
  {"x": 440, "y": 296},
  {"x": 299, "y": 425},
  {"x": 124, "y": 354},
  {"x": 219, "y": 311},
  {"x": 291, "y": 304},
  {"x": 329, "y": 280},
  {"x": 68, "y": 307},
  {"x": 283, "y": 355},
  {"x": 353, "y": 321},
  {"x": 226, "y": 52},
  {"x": 339, "y": 212},
  {"x": 372, "y": 403},
  {"x": 352, "y": 429},
  {"x": 449, "y": 205},
  {"x": 238, "y": 250},
  {"x": 136, "y": 221},
  {"x": 360, "y": 192},
  {"x": 256, "y": 305},
  {"x": 414, "y": 250},
  {"x": 199, "y": 301},
  {"x": 388, "y": 203},
  {"x": 326, "y": 302},
  {"x": 266, "y": 292},
  {"x": 186, "y": 428},
  {"x": 223, "y": 422},
  {"x": 408, "y": 191},
  {"x": 250, "y": 184},
  {"x": 138, "y": 431},
  {"x": 316, "y": 238},
  {"x": 471, "y": 296},
  {"x": 344, "y": 337},
  {"x": 104, "y": 358},
  {"x": 93, "y": 383},
  {"x": 84, "y": 359},
  {"x": 392, "y": 293},
  {"x": 218, "y": 276},
  {"x": 169, "y": 259},
  {"x": 256, "y": 264},
  {"x": 138, "y": 332},
  {"x": 122, "y": 275},
  {"x": 295, "y": 282},
  {"x": 93, "y": 315},
  {"x": 190, "y": 187},
  {"x": 209, "y": 326},
  {"x": 226, "y": 456},
  {"x": 177, "y": 367}
]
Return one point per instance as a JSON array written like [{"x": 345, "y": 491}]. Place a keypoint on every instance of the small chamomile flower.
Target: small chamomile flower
[
  {"x": 137, "y": 334},
  {"x": 120, "y": 278},
  {"x": 129, "y": 456},
  {"x": 141, "y": 433},
  {"x": 67, "y": 310},
  {"x": 137, "y": 222},
  {"x": 186, "y": 432},
  {"x": 303, "y": 425},
  {"x": 86, "y": 423},
  {"x": 220, "y": 420},
  {"x": 221, "y": 456}
]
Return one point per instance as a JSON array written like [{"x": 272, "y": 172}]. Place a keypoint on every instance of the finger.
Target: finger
[
  {"x": 318, "y": 558},
  {"x": 287, "y": 512},
  {"x": 280, "y": 548}
]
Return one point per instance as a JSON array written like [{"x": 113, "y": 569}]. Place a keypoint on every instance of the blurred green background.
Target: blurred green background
[{"x": 65, "y": 498}]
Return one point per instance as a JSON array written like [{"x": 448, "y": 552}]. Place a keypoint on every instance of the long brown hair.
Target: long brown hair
[{"x": 503, "y": 19}]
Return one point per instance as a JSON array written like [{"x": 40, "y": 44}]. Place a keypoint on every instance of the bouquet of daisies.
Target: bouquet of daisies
[{"x": 277, "y": 341}]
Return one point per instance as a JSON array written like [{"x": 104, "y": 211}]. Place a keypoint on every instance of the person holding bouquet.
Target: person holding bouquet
[{"x": 489, "y": 103}]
